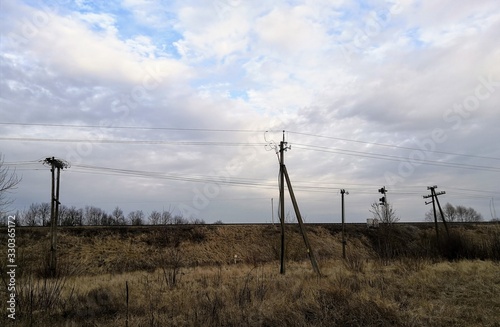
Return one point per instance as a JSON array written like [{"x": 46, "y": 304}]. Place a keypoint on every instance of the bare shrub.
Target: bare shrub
[
  {"x": 35, "y": 295},
  {"x": 171, "y": 263},
  {"x": 354, "y": 262}
]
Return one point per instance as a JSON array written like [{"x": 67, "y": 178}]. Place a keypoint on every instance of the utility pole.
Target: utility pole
[
  {"x": 435, "y": 200},
  {"x": 282, "y": 150},
  {"x": 433, "y": 190},
  {"x": 282, "y": 177},
  {"x": 342, "y": 192},
  {"x": 54, "y": 209}
]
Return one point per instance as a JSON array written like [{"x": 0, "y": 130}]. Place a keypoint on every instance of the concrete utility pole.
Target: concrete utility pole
[
  {"x": 342, "y": 192},
  {"x": 54, "y": 209},
  {"x": 284, "y": 176},
  {"x": 282, "y": 150}
]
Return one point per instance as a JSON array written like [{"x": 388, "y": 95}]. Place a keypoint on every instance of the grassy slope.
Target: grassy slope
[{"x": 211, "y": 290}]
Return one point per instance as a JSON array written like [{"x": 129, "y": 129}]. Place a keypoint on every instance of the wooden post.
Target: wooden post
[
  {"x": 126, "y": 290},
  {"x": 441, "y": 211},
  {"x": 435, "y": 219}
]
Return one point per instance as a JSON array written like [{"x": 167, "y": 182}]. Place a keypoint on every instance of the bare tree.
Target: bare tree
[
  {"x": 93, "y": 215},
  {"x": 44, "y": 212},
  {"x": 30, "y": 215},
  {"x": 70, "y": 216},
  {"x": 166, "y": 217},
  {"x": 8, "y": 183},
  {"x": 136, "y": 217},
  {"x": 384, "y": 213},
  {"x": 179, "y": 220},
  {"x": 154, "y": 217},
  {"x": 456, "y": 214},
  {"x": 118, "y": 216}
]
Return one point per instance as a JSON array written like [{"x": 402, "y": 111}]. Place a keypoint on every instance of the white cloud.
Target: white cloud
[{"x": 254, "y": 66}]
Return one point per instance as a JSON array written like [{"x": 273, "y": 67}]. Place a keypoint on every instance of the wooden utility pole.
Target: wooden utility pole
[
  {"x": 342, "y": 192},
  {"x": 433, "y": 190},
  {"x": 54, "y": 209},
  {"x": 435, "y": 200}
]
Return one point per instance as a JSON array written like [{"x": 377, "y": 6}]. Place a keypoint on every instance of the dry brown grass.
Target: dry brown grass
[
  {"x": 462, "y": 293},
  {"x": 191, "y": 279}
]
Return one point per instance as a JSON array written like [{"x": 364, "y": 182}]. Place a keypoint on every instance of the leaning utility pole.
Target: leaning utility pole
[
  {"x": 433, "y": 190},
  {"x": 54, "y": 209},
  {"x": 342, "y": 192},
  {"x": 435, "y": 200}
]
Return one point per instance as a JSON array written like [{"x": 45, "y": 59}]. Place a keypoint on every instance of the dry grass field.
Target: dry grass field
[{"x": 189, "y": 276}]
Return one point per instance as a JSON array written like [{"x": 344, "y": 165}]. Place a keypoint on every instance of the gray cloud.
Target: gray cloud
[{"x": 422, "y": 70}]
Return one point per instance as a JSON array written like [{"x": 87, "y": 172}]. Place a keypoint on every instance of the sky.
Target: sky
[{"x": 182, "y": 105}]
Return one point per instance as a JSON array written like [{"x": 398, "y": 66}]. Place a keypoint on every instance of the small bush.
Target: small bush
[{"x": 354, "y": 262}]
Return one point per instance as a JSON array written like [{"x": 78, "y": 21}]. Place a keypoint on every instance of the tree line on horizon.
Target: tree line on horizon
[{"x": 38, "y": 214}]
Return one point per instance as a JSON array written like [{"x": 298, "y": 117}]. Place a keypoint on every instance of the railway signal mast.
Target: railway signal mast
[{"x": 384, "y": 203}]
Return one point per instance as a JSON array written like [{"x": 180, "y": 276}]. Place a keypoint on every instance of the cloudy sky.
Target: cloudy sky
[{"x": 180, "y": 105}]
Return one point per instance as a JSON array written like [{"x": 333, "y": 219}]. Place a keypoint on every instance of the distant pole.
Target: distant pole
[{"x": 342, "y": 192}]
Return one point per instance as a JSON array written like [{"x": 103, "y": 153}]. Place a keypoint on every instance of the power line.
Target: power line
[
  {"x": 310, "y": 186},
  {"x": 219, "y": 143},
  {"x": 138, "y": 127},
  {"x": 395, "y": 146},
  {"x": 139, "y": 142},
  {"x": 394, "y": 158},
  {"x": 231, "y": 131}
]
